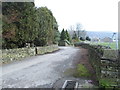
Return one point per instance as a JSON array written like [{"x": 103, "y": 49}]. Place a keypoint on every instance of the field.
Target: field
[{"x": 112, "y": 45}]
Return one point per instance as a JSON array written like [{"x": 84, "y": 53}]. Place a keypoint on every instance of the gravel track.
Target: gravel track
[{"x": 38, "y": 71}]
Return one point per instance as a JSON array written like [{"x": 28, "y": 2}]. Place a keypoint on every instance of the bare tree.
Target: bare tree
[
  {"x": 83, "y": 34},
  {"x": 80, "y": 31},
  {"x": 71, "y": 30},
  {"x": 78, "y": 28}
]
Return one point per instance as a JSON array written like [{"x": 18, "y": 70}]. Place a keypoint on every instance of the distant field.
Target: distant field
[{"x": 112, "y": 44}]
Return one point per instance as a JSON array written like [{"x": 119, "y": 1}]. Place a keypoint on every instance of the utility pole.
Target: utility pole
[{"x": 115, "y": 39}]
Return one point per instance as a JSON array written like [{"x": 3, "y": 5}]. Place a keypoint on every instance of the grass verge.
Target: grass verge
[
  {"x": 82, "y": 71},
  {"x": 107, "y": 82}
]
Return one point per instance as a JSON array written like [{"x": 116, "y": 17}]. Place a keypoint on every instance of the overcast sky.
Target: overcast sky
[{"x": 94, "y": 15}]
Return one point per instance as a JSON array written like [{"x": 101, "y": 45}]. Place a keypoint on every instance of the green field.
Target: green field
[{"x": 112, "y": 44}]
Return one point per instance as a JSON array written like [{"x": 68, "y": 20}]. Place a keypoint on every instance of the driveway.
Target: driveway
[{"x": 39, "y": 71}]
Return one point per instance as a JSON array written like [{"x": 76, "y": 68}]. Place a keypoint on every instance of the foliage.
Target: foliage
[
  {"x": 18, "y": 27},
  {"x": 23, "y": 23},
  {"x": 68, "y": 36},
  {"x": 75, "y": 38},
  {"x": 56, "y": 32},
  {"x": 63, "y": 35},
  {"x": 64, "y": 38},
  {"x": 56, "y": 37},
  {"x": 88, "y": 38},
  {"x": 45, "y": 29},
  {"x": 82, "y": 39}
]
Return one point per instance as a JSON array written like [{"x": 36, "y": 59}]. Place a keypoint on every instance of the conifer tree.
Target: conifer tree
[
  {"x": 68, "y": 36},
  {"x": 63, "y": 35}
]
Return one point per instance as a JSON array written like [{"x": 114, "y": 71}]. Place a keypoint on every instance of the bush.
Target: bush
[
  {"x": 88, "y": 38},
  {"x": 82, "y": 39}
]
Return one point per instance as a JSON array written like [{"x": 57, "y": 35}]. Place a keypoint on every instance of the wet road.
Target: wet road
[{"x": 38, "y": 71}]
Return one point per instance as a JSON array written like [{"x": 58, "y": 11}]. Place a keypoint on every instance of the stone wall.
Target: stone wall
[
  {"x": 95, "y": 53},
  {"x": 110, "y": 54},
  {"x": 62, "y": 43},
  {"x": 21, "y": 53},
  {"x": 105, "y": 63}
]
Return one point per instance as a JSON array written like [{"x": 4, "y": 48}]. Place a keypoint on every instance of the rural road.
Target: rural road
[{"x": 38, "y": 71}]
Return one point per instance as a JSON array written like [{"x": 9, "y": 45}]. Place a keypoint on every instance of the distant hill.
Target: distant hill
[{"x": 93, "y": 34}]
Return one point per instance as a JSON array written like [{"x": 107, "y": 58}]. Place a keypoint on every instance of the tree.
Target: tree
[
  {"x": 42, "y": 27},
  {"x": 71, "y": 30},
  {"x": 56, "y": 37},
  {"x": 78, "y": 28},
  {"x": 27, "y": 23},
  {"x": 75, "y": 38},
  {"x": 56, "y": 31},
  {"x": 23, "y": 23},
  {"x": 74, "y": 35},
  {"x": 82, "y": 39},
  {"x": 47, "y": 27},
  {"x": 18, "y": 23},
  {"x": 68, "y": 36},
  {"x": 63, "y": 35},
  {"x": 88, "y": 38},
  {"x": 80, "y": 31}
]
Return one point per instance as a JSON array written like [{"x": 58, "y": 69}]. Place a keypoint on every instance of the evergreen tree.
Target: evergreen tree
[
  {"x": 45, "y": 27},
  {"x": 23, "y": 23},
  {"x": 68, "y": 36},
  {"x": 56, "y": 31},
  {"x": 63, "y": 35},
  {"x": 18, "y": 23}
]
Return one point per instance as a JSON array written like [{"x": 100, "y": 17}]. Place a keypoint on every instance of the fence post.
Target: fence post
[{"x": 36, "y": 52}]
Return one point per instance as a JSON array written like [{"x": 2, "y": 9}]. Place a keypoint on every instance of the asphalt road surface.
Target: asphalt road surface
[{"x": 38, "y": 71}]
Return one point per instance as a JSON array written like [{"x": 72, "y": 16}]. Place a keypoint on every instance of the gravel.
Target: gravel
[{"x": 38, "y": 71}]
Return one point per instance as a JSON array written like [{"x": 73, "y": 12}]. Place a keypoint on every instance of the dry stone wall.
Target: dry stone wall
[{"x": 20, "y": 53}]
